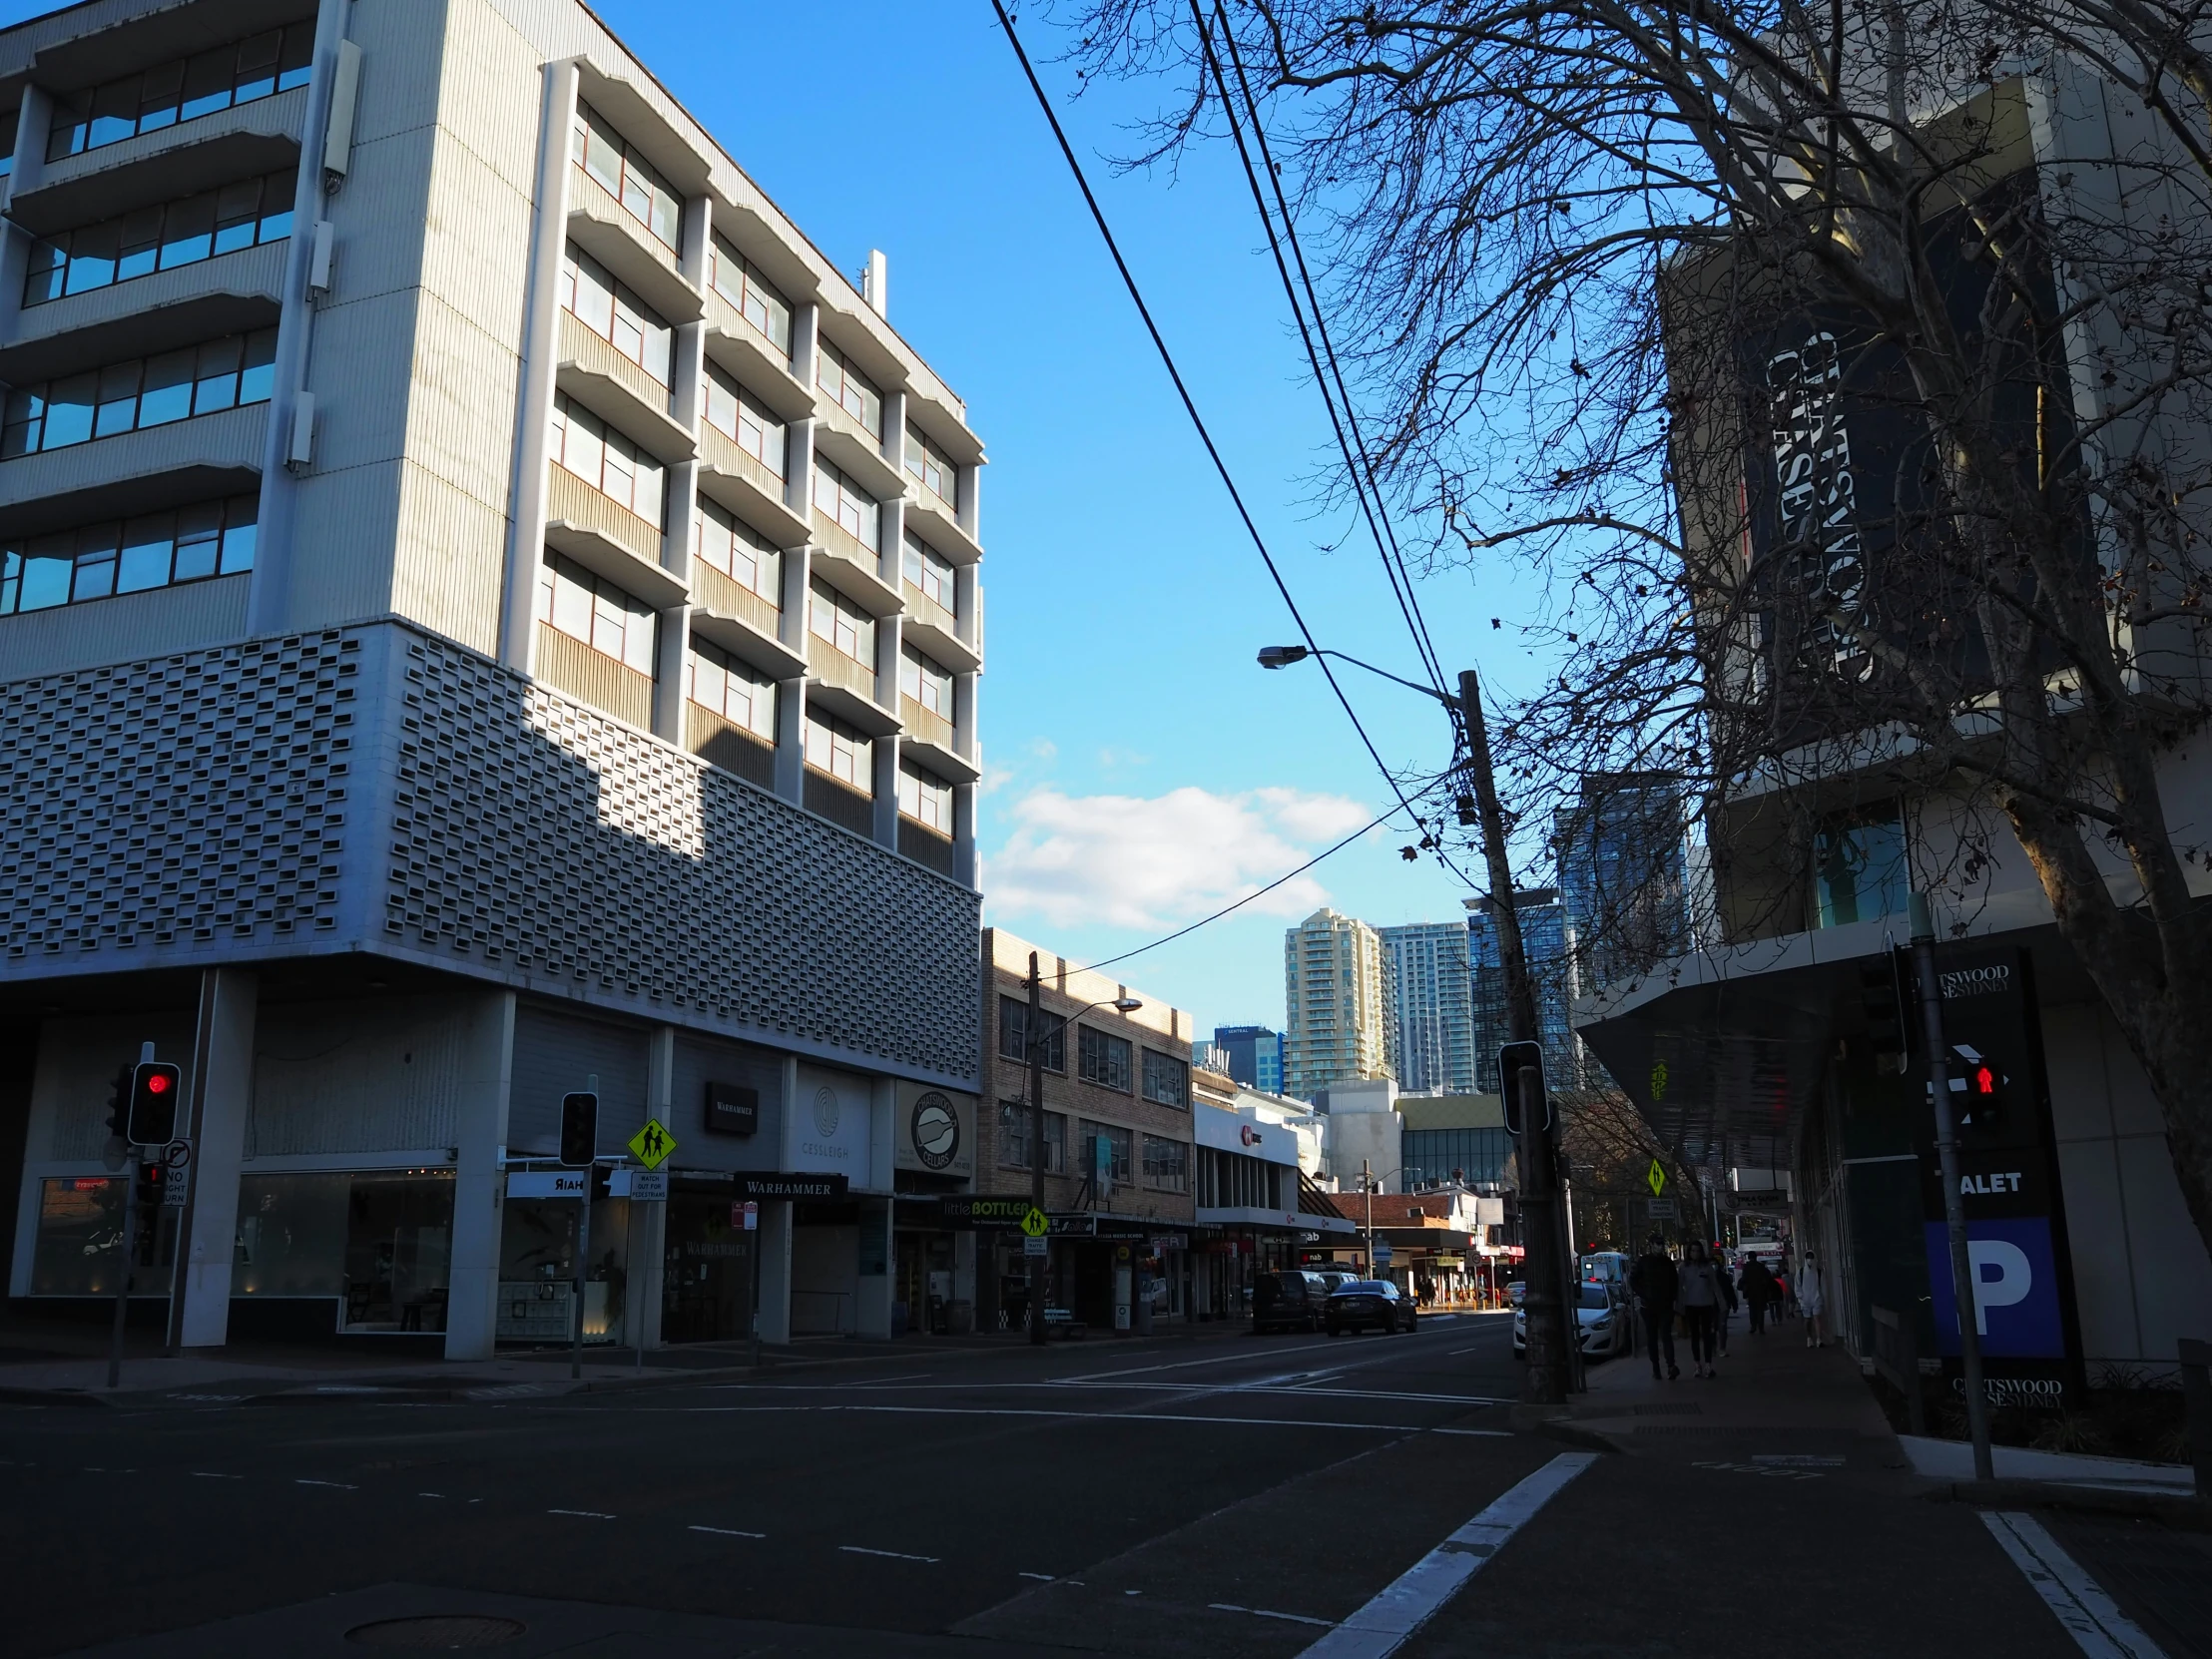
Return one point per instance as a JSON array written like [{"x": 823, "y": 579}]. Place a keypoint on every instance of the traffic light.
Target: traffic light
[
  {"x": 579, "y": 1129},
  {"x": 1512, "y": 1060},
  {"x": 118, "y": 1104},
  {"x": 150, "y": 1177},
  {"x": 1981, "y": 1088},
  {"x": 156, "y": 1086}
]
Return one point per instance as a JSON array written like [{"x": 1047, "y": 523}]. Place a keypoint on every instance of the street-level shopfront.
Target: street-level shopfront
[{"x": 1253, "y": 1214}]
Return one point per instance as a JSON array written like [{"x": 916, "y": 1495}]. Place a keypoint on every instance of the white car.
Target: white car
[{"x": 1608, "y": 1324}]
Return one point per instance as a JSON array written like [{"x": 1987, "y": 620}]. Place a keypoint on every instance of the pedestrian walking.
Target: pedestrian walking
[
  {"x": 1655, "y": 1283},
  {"x": 1812, "y": 1302},
  {"x": 1727, "y": 1303},
  {"x": 1757, "y": 1287},
  {"x": 1782, "y": 1293},
  {"x": 1698, "y": 1284}
]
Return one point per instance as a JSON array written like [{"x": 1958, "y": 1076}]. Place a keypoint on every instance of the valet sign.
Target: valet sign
[
  {"x": 828, "y": 1126},
  {"x": 2023, "y": 1300}
]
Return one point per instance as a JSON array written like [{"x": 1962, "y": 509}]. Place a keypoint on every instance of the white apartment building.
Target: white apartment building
[
  {"x": 1432, "y": 994},
  {"x": 486, "y": 605},
  {"x": 1337, "y": 995}
]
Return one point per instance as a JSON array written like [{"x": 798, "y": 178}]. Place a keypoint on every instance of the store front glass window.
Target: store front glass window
[
  {"x": 80, "y": 1219},
  {"x": 291, "y": 1235},
  {"x": 537, "y": 1271}
]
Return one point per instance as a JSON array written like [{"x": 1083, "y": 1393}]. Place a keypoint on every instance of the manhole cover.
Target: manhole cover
[{"x": 438, "y": 1632}]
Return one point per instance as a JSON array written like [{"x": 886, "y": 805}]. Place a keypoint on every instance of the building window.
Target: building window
[
  {"x": 835, "y": 373},
  {"x": 1014, "y": 1124},
  {"x": 744, "y": 420},
  {"x": 844, "y": 752},
  {"x": 837, "y": 621},
  {"x": 215, "y": 538},
  {"x": 145, "y": 391},
  {"x": 924, "y": 682},
  {"x": 243, "y": 214},
  {"x": 238, "y": 72},
  {"x": 627, "y": 176},
  {"x": 1165, "y": 1079},
  {"x": 1167, "y": 1165},
  {"x": 736, "y": 278},
  {"x": 593, "y": 610},
  {"x": 839, "y": 498},
  {"x": 738, "y": 550},
  {"x": 932, "y": 573},
  {"x": 1103, "y": 1059},
  {"x": 1108, "y": 1151},
  {"x": 1471, "y": 1155},
  {"x": 1013, "y": 1035},
  {"x": 933, "y": 468},
  {"x": 590, "y": 294},
  {"x": 926, "y": 799},
  {"x": 608, "y": 461},
  {"x": 1859, "y": 867},
  {"x": 737, "y": 692}
]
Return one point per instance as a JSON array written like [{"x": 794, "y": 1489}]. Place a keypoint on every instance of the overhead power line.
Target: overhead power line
[{"x": 1206, "y": 437}]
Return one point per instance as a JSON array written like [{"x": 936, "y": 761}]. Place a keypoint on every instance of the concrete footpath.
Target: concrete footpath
[{"x": 66, "y": 1363}]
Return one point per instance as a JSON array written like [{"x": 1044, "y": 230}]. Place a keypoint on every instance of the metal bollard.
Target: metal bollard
[{"x": 2196, "y": 1390}]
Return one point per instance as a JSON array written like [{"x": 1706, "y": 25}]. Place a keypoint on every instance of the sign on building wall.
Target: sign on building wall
[
  {"x": 933, "y": 1130},
  {"x": 830, "y": 1124},
  {"x": 2009, "y": 1183}
]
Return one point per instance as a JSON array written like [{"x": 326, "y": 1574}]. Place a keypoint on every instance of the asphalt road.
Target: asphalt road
[{"x": 1213, "y": 1500}]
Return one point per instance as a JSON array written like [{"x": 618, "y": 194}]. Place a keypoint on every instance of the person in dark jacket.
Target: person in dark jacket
[
  {"x": 1758, "y": 1289},
  {"x": 1656, "y": 1283},
  {"x": 1728, "y": 1302}
]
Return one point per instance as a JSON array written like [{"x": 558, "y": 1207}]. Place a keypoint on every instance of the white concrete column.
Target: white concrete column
[
  {"x": 891, "y": 553},
  {"x": 774, "y": 1241},
  {"x": 221, "y": 1101},
  {"x": 540, "y": 353},
  {"x": 890, "y": 637},
  {"x": 964, "y": 834},
  {"x": 479, "y": 1194},
  {"x": 963, "y": 1280},
  {"x": 967, "y": 617},
  {"x": 33, "y": 124},
  {"x": 648, "y": 1246},
  {"x": 969, "y": 516},
  {"x": 806, "y": 336},
  {"x": 872, "y": 1294},
  {"x": 668, "y": 672}
]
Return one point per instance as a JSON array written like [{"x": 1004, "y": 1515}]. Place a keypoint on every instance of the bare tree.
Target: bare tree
[{"x": 1841, "y": 372}]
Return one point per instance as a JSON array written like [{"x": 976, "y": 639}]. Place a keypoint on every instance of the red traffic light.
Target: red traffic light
[
  {"x": 158, "y": 1083},
  {"x": 1984, "y": 1080},
  {"x": 153, "y": 1099}
]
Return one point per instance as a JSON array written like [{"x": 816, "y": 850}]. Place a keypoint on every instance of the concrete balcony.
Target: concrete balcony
[
  {"x": 742, "y": 623},
  {"x": 195, "y": 155},
  {"x": 740, "y": 482},
  {"x": 593, "y": 677},
  {"x": 932, "y": 743},
  {"x": 931, "y": 520},
  {"x": 607, "y": 539},
  {"x": 934, "y": 629},
  {"x": 200, "y": 460},
  {"x": 620, "y": 392},
  {"x": 755, "y": 359},
  {"x": 855, "y": 451},
  {"x": 851, "y": 567},
  {"x": 251, "y": 281},
  {"x": 612, "y": 235}
]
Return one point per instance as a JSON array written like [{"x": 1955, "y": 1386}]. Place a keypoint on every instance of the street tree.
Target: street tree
[{"x": 1838, "y": 373}]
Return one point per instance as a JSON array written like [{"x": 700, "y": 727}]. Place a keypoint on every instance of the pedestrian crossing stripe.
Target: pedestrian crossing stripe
[{"x": 652, "y": 1144}]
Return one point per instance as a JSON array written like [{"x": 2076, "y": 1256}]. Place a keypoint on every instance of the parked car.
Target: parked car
[
  {"x": 1335, "y": 1279},
  {"x": 1515, "y": 1290},
  {"x": 1288, "y": 1302},
  {"x": 1607, "y": 1325},
  {"x": 1369, "y": 1303}
]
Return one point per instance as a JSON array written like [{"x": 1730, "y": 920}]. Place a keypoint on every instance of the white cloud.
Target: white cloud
[{"x": 1160, "y": 861}]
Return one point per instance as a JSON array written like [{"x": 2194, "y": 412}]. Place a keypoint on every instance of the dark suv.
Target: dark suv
[
  {"x": 1369, "y": 1304},
  {"x": 1288, "y": 1302}
]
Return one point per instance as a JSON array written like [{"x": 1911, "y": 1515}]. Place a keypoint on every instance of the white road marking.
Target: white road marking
[
  {"x": 429, "y": 1495},
  {"x": 887, "y": 1554},
  {"x": 2077, "y": 1601},
  {"x": 1477, "y": 1433},
  {"x": 1117, "y": 1416},
  {"x": 210, "y": 1474},
  {"x": 587, "y": 1515},
  {"x": 1041, "y": 1577},
  {"x": 334, "y": 1485},
  {"x": 1404, "y": 1604},
  {"x": 729, "y": 1532},
  {"x": 1262, "y": 1613}
]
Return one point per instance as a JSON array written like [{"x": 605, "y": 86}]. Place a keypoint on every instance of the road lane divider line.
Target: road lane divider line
[
  {"x": 335, "y": 1485},
  {"x": 1403, "y": 1605},
  {"x": 1118, "y": 1417},
  {"x": 210, "y": 1474},
  {"x": 728, "y": 1532},
  {"x": 1262, "y": 1613},
  {"x": 1040, "y": 1577},
  {"x": 1477, "y": 1433},
  {"x": 2079, "y": 1602},
  {"x": 587, "y": 1515},
  {"x": 886, "y": 1554}
]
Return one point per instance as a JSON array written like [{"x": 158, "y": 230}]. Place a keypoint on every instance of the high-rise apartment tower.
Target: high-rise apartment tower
[{"x": 1336, "y": 989}]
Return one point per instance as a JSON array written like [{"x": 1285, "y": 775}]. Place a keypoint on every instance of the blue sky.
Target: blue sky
[{"x": 1142, "y": 771}]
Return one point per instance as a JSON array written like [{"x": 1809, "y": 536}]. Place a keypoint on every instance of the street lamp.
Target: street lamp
[
  {"x": 1552, "y": 1356},
  {"x": 1035, "y": 1047},
  {"x": 1368, "y": 1181}
]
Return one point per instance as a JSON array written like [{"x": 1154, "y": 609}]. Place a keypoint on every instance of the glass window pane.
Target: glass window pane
[
  {"x": 48, "y": 274},
  {"x": 92, "y": 253},
  {"x": 637, "y": 640},
  {"x": 207, "y": 82},
  {"x": 118, "y": 400},
  {"x": 278, "y": 191},
  {"x": 238, "y": 538},
  {"x": 238, "y": 210},
  {"x": 168, "y": 394},
  {"x": 147, "y": 545},
  {"x": 219, "y": 376},
  {"x": 159, "y": 91},
  {"x": 46, "y": 566},
  {"x": 114, "y": 111},
  {"x": 188, "y": 230},
  {"x": 295, "y": 62},
  {"x": 258, "y": 380},
  {"x": 256, "y": 65},
  {"x": 70, "y": 131},
  {"x": 197, "y": 531},
  {"x": 571, "y": 604},
  {"x": 141, "y": 240}
]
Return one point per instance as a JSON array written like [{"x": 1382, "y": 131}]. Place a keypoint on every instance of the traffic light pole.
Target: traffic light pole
[
  {"x": 1543, "y": 1302},
  {"x": 1965, "y": 1304},
  {"x": 127, "y": 1249},
  {"x": 1037, "y": 1263},
  {"x": 583, "y": 1246}
]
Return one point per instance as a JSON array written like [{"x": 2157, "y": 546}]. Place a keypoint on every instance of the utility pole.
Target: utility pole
[
  {"x": 1036, "y": 1142},
  {"x": 1963, "y": 1301},
  {"x": 1367, "y": 1185},
  {"x": 1544, "y": 1301}
]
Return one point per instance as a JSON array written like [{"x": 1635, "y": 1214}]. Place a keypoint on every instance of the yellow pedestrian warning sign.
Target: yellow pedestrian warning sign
[
  {"x": 1034, "y": 1223},
  {"x": 652, "y": 1144},
  {"x": 1655, "y": 1177}
]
